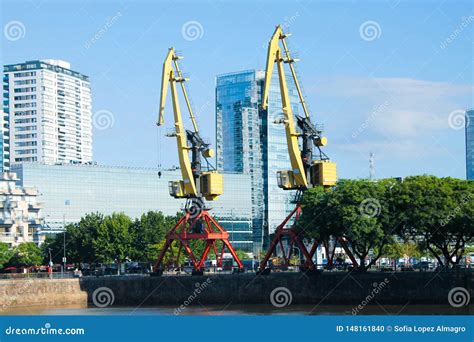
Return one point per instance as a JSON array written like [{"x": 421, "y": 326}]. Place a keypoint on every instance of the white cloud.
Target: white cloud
[{"x": 398, "y": 107}]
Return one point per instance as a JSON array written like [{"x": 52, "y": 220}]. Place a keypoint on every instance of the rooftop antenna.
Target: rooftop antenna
[{"x": 371, "y": 166}]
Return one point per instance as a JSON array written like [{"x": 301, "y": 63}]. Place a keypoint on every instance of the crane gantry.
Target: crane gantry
[
  {"x": 307, "y": 170},
  {"x": 197, "y": 185}
]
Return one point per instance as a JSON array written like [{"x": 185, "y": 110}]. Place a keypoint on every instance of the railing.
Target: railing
[{"x": 37, "y": 275}]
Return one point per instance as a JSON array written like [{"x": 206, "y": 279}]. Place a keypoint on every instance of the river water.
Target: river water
[{"x": 249, "y": 310}]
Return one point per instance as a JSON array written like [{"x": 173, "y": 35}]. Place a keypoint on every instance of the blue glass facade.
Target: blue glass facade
[
  {"x": 470, "y": 144},
  {"x": 248, "y": 141},
  {"x": 70, "y": 191},
  {"x": 238, "y": 142}
]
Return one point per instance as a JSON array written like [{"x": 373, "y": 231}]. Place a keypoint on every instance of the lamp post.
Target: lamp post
[
  {"x": 66, "y": 203},
  {"x": 299, "y": 254}
]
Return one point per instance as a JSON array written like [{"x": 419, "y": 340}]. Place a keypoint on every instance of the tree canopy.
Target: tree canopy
[{"x": 437, "y": 213}]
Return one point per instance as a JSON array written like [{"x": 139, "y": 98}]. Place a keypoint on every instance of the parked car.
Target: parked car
[{"x": 424, "y": 266}]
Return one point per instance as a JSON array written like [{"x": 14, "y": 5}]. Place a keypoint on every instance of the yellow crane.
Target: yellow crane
[
  {"x": 305, "y": 172},
  {"x": 196, "y": 185},
  {"x": 302, "y": 138}
]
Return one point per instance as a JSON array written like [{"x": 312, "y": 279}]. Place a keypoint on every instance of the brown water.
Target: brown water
[{"x": 249, "y": 310}]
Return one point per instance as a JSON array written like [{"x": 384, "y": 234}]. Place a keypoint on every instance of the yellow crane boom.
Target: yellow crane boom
[
  {"x": 195, "y": 183},
  {"x": 304, "y": 171}
]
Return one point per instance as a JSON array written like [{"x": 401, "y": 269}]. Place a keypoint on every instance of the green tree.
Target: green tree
[
  {"x": 147, "y": 232},
  {"x": 113, "y": 241},
  {"x": 353, "y": 209},
  {"x": 51, "y": 243},
  {"x": 397, "y": 250},
  {"x": 438, "y": 210},
  {"x": 26, "y": 254},
  {"x": 79, "y": 241},
  {"x": 5, "y": 254},
  {"x": 171, "y": 257}
]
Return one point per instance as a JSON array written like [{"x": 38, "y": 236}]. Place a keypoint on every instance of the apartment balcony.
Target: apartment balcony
[
  {"x": 5, "y": 222},
  {"x": 8, "y": 205},
  {"x": 35, "y": 221},
  {"x": 8, "y": 238},
  {"x": 35, "y": 206}
]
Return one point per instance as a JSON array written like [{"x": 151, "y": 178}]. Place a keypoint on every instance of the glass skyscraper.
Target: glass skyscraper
[
  {"x": 470, "y": 144},
  {"x": 70, "y": 191},
  {"x": 248, "y": 141}
]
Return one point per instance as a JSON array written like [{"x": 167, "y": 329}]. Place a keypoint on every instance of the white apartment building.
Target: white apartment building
[
  {"x": 20, "y": 217},
  {"x": 4, "y": 142},
  {"x": 48, "y": 107}
]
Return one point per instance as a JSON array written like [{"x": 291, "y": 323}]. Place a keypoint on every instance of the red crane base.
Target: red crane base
[
  {"x": 212, "y": 231},
  {"x": 296, "y": 238},
  {"x": 280, "y": 232}
]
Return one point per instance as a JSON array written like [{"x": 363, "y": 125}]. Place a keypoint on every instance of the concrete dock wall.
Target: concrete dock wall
[
  {"x": 20, "y": 293},
  {"x": 326, "y": 289}
]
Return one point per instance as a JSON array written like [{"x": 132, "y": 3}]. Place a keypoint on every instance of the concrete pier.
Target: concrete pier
[{"x": 326, "y": 289}]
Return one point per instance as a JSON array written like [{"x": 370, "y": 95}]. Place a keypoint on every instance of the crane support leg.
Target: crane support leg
[
  {"x": 183, "y": 233},
  {"x": 283, "y": 233},
  {"x": 343, "y": 243}
]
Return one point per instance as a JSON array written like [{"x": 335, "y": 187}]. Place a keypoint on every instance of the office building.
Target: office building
[
  {"x": 70, "y": 191},
  {"x": 48, "y": 110},
  {"x": 470, "y": 144},
  {"x": 248, "y": 140},
  {"x": 20, "y": 214}
]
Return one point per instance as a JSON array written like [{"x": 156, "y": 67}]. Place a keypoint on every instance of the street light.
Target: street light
[
  {"x": 299, "y": 254},
  {"x": 66, "y": 203}
]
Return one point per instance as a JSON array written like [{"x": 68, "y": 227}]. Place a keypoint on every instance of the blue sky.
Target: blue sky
[{"x": 387, "y": 77}]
